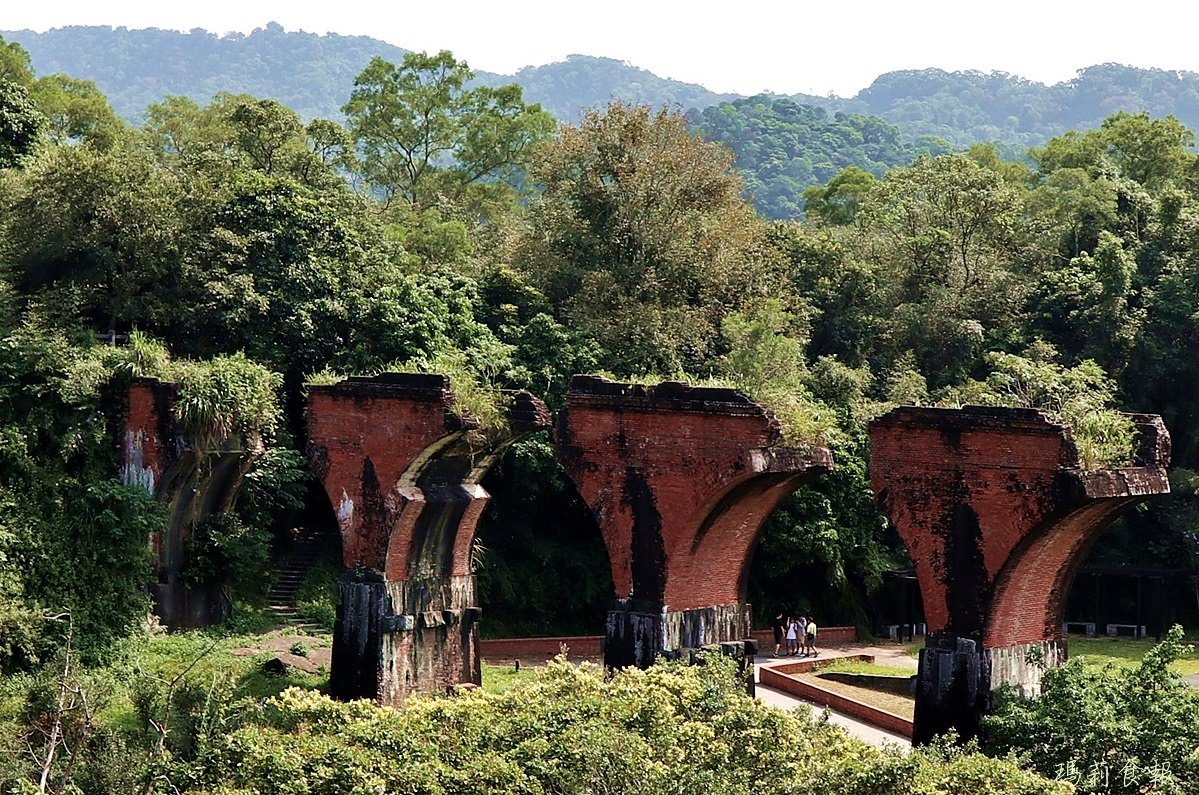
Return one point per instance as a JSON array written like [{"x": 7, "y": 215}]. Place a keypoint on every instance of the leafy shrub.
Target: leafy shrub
[
  {"x": 569, "y": 730},
  {"x": 1107, "y": 729},
  {"x": 473, "y": 386},
  {"x": 221, "y": 549},
  {"x": 768, "y": 364},
  {"x": 224, "y": 396}
]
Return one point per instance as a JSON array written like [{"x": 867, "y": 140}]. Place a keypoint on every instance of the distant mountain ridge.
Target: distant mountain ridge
[
  {"x": 314, "y": 74},
  {"x": 783, "y": 143},
  {"x": 310, "y": 73}
]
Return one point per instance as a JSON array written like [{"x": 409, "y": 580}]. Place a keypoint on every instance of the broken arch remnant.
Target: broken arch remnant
[
  {"x": 402, "y": 470},
  {"x": 997, "y": 515},
  {"x": 680, "y": 480},
  {"x": 156, "y": 456}
]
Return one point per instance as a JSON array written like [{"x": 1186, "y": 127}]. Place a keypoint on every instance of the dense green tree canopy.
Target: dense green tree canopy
[{"x": 640, "y": 237}]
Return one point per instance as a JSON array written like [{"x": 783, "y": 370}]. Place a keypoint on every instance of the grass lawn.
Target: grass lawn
[
  {"x": 1126, "y": 651},
  {"x": 204, "y": 659},
  {"x": 499, "y": 678},
  {"x": 859, "y": 667}
]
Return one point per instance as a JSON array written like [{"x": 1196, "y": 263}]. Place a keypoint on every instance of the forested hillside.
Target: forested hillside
[
  {"x": 782, "y": 148},
  {"x": 968, "y": 107},
  {"x": 310, "y": 74}
]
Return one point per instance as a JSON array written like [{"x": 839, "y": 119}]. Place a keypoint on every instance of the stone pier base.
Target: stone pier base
[
  {"x": 638, "y": 632},
  {"x": 392, "y": 639},
  {"x": 1023, "y": 666},
  {"x": 953, "y": 688}
]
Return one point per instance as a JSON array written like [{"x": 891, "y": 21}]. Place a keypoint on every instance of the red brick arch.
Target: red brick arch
[
  {"x": 191, "y": 484},
  {"x": 680, "y": 480},
  {"x": 997, "y": 514},
  {"x": 402, "y": 469}
]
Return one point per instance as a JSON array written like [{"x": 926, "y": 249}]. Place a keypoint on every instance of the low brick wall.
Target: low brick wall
[
  {"x": 826, "y": 636},
  {"x": 777, "y": 676},
  {"x": 513, "y": 648}
]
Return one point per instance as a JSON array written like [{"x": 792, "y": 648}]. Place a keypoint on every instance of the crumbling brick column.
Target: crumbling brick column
[
  {"x": 402, "y": 470},
  {"x": 156, "y": 455},
  {"x": 997, "y": 515},
  {"x": 680, "y": 480}
]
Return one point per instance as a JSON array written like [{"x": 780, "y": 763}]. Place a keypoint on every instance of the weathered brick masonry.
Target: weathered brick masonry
[
  {"x": 680, "y": 480},
  {"x": 156, "y": 456},
  {"x": 402, "y": 471},
  {"x": 997, "y": 515}
]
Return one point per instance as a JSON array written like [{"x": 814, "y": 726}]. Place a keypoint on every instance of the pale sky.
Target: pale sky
[{"x": 744, "y": 47}]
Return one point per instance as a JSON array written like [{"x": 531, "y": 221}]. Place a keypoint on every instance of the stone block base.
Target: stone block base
[
  {"x": 393, "y": 639},
  {"x": 1022, "y": 666},
  {"x": 638, "y": 632},
  {"x": 953, "y": 688}
]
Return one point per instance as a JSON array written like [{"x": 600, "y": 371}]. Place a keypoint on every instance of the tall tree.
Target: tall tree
[
  {"x": 77, "y": 111},
  {"x": 422, "y": 134},
  {"x": 20, "y": 123},
  {"x": 641, "y": 238}
]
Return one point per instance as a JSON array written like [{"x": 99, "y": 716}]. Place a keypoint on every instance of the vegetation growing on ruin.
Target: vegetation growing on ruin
[
  {"x": 1079, "y": 397},
  {"x": 472, "y": 385}
]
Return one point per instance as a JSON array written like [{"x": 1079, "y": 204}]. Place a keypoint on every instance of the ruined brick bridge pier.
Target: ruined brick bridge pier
[
  {"x": 402, "y": 469},
  {"x": 994, "y": 506},
  {"x": 998, "y": 514},
  {"x": 680, "y": 480}
]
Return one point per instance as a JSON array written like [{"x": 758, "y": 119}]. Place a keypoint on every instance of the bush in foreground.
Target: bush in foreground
[
  {"x": 670, "y": 729},
  {"x": 1109, "y": 728}
]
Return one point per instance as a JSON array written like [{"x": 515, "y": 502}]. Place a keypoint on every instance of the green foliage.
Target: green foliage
[
  {"x": 76, "y": 111},
  {"x": 784, "y": 149},
  {"x": 71, "y": 537},
  {"x": 221, "y": 550},
  {"x": 837, "y": 202},
  {"x": 471, "y": 383},
  {"x": 224, "y": 398},
  {"x": 273, "y": 493},
  {"x": 316, "y": 598},
  {"x": 948, "y": 230},
  {"x": 641, "y": 240},
  {"x": 536, "y": 537},
  {"x": 569, "y": 730},
  {"x": 93, "y": 237},
  {"x": 1078, "y": 397},
  {"x": 768, "y": 366},
  {"x": 20, "y": 123},
  {"x": 823, "y": 552},
  {"x": 1107, "y": 729},
  {"x": 423, "y": 134}
]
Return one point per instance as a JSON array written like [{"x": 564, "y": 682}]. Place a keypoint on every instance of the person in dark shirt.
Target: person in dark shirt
[{"x": 778, "y": 623}]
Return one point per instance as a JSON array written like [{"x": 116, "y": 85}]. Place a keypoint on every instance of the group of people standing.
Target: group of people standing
[{"x": 800, "y": 634}]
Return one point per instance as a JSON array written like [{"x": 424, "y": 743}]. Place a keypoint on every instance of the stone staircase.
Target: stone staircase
[{"x": 289, "y": 576}]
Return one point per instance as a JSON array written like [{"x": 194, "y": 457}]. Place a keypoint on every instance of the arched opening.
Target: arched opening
[
  {"x": 541, "y": 564},
  {"x": 680, "y": 479}
]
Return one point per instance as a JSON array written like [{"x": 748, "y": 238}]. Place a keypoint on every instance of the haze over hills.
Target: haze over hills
[
  {"x": 783, "y": 143},
  {"x": 313, "y": 74}
]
